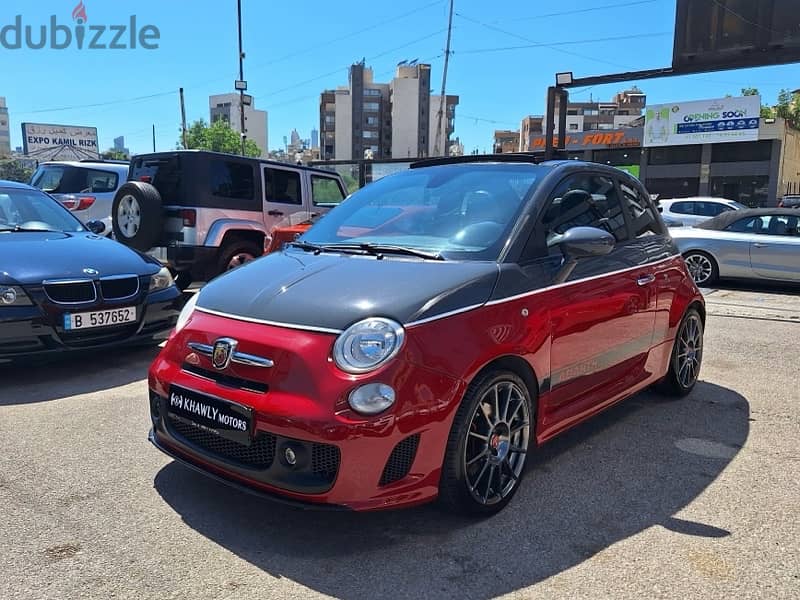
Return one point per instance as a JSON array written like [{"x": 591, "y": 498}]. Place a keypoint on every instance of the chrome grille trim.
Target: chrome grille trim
[{"x": 240, "y": 358}]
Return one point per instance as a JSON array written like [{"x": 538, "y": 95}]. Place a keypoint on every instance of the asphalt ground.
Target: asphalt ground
[{"x": 655, "y": 498}]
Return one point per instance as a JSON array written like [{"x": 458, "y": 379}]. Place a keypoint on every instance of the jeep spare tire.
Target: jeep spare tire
[{"x": 136, "y": 215}]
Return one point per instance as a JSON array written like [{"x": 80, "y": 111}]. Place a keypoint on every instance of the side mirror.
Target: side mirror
[
  {"x": 96, "y": 227},
  {"x": 581, "y": 242}
]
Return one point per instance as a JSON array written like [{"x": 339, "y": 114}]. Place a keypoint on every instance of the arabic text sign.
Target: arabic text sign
[
  {"x": 703, "y": 122},
  {"x": 39, "y": 138}
]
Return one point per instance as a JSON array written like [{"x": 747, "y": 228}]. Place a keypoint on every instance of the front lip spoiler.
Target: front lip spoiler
[{"x": 245, "y": 488}]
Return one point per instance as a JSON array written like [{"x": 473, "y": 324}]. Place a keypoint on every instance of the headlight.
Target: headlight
[
  {"x": 367, "y": 344},
  {"x": 161, "y": 280},
  {"x": 186, "y": 313},
  {"x": 12, "y": 295}
]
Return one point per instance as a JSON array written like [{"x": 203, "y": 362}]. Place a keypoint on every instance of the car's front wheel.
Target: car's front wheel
[
  {"x": 488, "y": 445},
  {"x": 702, "y": 267}
]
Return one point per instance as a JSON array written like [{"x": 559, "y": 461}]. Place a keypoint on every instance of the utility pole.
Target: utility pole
[
  {"x": 241, "y": 86},
  {"x": 442, "y": 99},
  {"x": 183, "y": 121},
  {"x": 154, "y": 137}
]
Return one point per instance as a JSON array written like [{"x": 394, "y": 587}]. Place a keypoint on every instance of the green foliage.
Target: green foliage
[
  {"x": 14, "y": 170},
  {"x": 112, "y": 154},
  {"x": 217, "y": 137},
  {"x": 787, "y": 107}
]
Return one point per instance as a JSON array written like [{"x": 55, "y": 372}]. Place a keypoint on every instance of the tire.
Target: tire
[
  {"x": 473, "y": 449},
  {"x": 235, "y": 253},
  {"x": 137, "y": 217},
  {"x": 702, "y": 267},
  {"x": 688, "y": 347}
]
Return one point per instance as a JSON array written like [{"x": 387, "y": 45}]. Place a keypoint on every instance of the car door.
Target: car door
[
  {"x": 602, "y": 323},
  {"x": 775, "y": 248},
  {"x": 283, "y": 196}
]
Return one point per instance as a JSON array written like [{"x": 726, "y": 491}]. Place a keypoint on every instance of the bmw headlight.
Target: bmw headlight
[
  {"x": 368, "y": 344},
  {"x": 161, "y": 280},
  {"x": 12, "y": 295},
  {"x": 186, "y": 313}
]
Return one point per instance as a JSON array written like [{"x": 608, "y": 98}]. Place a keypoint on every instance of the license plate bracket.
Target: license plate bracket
[
  {"x": 95, "y": 319},
  {"x": 219, "y": 417}
]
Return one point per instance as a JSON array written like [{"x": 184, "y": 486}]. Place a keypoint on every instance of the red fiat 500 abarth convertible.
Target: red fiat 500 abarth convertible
[{"x": 424, "y": 337}]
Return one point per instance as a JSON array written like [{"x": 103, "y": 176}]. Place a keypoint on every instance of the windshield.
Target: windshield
[
  {"x": 28, "y": 209},
  {"x": 461, "y": 212}
]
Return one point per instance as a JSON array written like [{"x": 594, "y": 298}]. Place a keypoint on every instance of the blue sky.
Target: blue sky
[{"x": 297, "y": 49}]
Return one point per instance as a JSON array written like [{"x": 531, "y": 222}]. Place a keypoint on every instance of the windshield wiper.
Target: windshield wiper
[
  {"x": 380, "y": 249},
  {"x": 318, "y": 249}
]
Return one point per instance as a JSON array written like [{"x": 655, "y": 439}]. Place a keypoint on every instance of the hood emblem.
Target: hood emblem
[
  {"x": 90, "y": 271},
  {"x": 222, "y": 353}
]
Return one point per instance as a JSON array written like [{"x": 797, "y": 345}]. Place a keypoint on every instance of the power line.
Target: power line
[
  {"x": 568, "y": 43},
  {"x": 585, "y": 10},
  {"x": 552, "y": 46}
]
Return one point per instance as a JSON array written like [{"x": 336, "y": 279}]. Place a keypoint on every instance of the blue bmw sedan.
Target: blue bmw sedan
[{"x": 64, "y": 287}]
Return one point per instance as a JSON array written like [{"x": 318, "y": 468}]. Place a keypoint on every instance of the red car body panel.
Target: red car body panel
[{"x": 588, "y": 344}]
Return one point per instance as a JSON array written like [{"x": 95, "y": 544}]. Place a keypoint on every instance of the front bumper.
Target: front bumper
[
  {"x": 387, "y": 461},
  {"x": 37, "y": 331}
]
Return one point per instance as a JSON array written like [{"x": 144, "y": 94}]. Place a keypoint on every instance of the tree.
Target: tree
[
  {"x": 14, "y": 170},
  {"x": 788, "y": 107},
  {"x": 217, "y": 137},
  {"x": 112, "y": 154},
  {"x": 767, "y": 111}
]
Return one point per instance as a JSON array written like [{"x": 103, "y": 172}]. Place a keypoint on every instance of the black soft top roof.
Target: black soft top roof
[{"x": 722, "y": 221}]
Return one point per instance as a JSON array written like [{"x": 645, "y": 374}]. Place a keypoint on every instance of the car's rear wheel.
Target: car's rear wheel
[
  {"x": 686, "y": 357},
  {"x": 702, "y": 267},
  {"x": 137, "y": 215},
  {"x": 488, "y": 445},
  {"x": 237, "y": 252}
]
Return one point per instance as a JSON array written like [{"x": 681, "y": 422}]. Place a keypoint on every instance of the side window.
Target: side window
[
  {"x": 640, "y": 211},
  {"x": 748, "y": 225},
  {"x": 585, "y": 200},
  {"x": 282, "y": 186},
  {"x": 782, "y": 225},
  {"x": 101, "y": 181},
  {"x": 232, "y": 180},
  {"x": 683, "y": 208},
  {"x": 325, "y": 190}
]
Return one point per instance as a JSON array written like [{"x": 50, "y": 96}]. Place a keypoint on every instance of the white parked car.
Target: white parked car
[
  {"x": 85, "y": 187},
  {"x": 691, "y": 211}
]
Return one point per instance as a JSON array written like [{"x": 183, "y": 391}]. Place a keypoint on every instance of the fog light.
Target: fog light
[
  {"x": 8, "y": 296},
  {"x": 372, "y": 398},
  {"x": 290, "y": 456}
]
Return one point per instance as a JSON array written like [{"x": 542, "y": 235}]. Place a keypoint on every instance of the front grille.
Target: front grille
[
  {"x": 71, "y": 292},
  {"x": 400, "y": 460},
  {"x": 227, "y": 380},
  {"x": 119, "y": 287},
  {"x": 325, "y": 461},
  {"x": 258, "y": 455}
]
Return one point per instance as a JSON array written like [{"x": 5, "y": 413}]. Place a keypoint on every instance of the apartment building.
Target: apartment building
[
  {"x": 399, "y": 119},
  {"x": 5, "y": 129},
  {"x": 505, "y": 141},
  {"x": 228, "y": 108}
]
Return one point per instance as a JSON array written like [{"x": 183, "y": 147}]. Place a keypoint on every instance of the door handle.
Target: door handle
[
  {"x": 275, "y": 213},
  {"x": 760, "y": 245},
  {"x": 646, "y": 279}
]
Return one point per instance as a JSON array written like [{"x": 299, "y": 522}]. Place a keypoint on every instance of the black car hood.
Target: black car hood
[
  {"x": 32, "y": 257},
  {"x": 332, "y": 291}
]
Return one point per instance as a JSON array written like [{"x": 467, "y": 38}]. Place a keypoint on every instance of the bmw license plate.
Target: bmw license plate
[
  {"x": 100, "y": 318},
  {"x": 213, "y": 415}
]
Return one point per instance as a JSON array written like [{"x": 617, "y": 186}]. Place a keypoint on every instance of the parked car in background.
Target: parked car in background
[
  {"x": 790, "y": 202},
  {"x": 691, "y": 211},
  {"x": 427, "y": 335},
  {"x": 762, "y": 243},
  {"x": 203, "y": 213},
  {"x": 85, "y": 187},
  {"x": 64, "y": 287}
]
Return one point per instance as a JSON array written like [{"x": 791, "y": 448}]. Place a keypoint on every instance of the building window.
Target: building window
[
  {"x": 675, "y": 155},
  {"x": 330, "y": 119},
  {"x": 741, "y": 151},
  {"x": 373, "y": 106},
  {"x": 749, "y": 190},
  {"x": 592, "y": 112},
  {"x": 371, "y": 92},
  {"x": 370, "y": 135},
  {"x": 678, "y": 187},
  {"x": 372, "y": 121},
  {"x": 572, "y": 111},
  {"x": 232, "y": 180},
  {"x": 573, "y": 127}
]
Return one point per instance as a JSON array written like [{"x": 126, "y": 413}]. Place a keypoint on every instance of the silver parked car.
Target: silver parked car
[
  {"x": 85, "y": 187},
  {"x": 759, "y": 243},
  {"x": 691, "y": 211}
]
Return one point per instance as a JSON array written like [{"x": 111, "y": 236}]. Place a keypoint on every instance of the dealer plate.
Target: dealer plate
[
  {"x": 214, "y": 415},
  {"x": 100, "y": 318}
]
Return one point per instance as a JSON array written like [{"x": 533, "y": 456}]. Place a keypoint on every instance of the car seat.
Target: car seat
[{"x": 777, "y": 226}]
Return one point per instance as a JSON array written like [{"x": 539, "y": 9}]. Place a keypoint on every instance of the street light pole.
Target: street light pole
[{"x": 241, "y": 72}]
